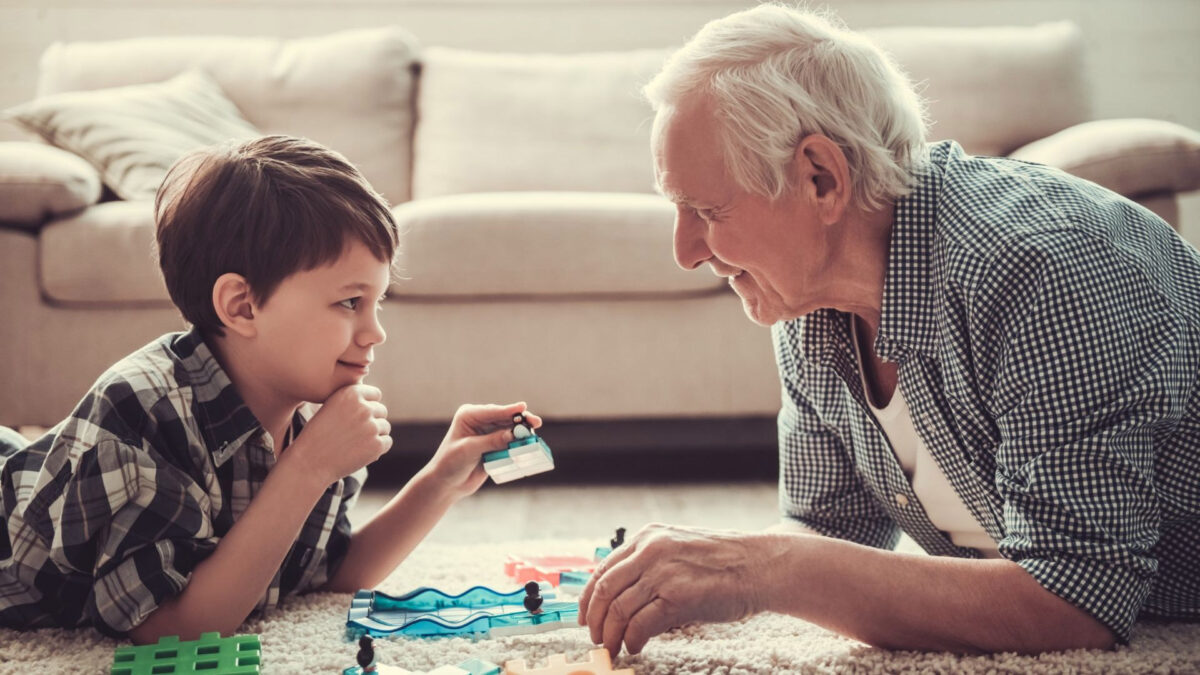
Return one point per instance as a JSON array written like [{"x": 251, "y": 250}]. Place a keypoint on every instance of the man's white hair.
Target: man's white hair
[{"x": 776, "y": 74}]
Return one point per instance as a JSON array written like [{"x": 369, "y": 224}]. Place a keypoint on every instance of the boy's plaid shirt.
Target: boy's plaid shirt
[
  {"x": 106, "y": 516},
  {"x": 1047, "y": 333}
]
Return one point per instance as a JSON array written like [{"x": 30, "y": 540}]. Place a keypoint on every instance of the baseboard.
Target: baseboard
[{"x": 638, "y": 451}]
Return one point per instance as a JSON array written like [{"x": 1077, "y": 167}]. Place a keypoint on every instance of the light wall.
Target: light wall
[{"x": 1143, "y": 55}]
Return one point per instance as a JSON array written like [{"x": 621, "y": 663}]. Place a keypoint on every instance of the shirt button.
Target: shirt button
[{"x": 901, "y": 499}]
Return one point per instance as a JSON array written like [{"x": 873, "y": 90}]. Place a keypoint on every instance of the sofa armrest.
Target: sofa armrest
[
  {"x": 39, "y": 182},
  {"x": 1128, "y": 156}
]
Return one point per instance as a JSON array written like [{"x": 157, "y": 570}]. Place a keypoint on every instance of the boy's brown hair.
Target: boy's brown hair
[{"x": 265, "y": 209}]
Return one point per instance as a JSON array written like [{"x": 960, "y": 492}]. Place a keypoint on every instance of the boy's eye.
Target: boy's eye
[{"x": 351, "y": 303}]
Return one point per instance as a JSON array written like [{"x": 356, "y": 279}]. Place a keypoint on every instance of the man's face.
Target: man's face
[
  {"x": 768, "y": 250},
  {"x": 317, "y": 331}
]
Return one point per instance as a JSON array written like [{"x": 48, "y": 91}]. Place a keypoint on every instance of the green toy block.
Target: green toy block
[{"x": 211, "y": 655}]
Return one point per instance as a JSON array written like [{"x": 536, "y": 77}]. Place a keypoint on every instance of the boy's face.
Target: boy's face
[{"x": 317, "y": 331}]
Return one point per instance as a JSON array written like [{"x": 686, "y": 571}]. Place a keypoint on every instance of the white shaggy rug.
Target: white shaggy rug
[{"x": 307, "y": 636}]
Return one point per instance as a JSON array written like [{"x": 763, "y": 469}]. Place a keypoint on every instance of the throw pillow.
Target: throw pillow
[
  {"x": 132, "y": 135},
  {"x": 39, "y": 181}
]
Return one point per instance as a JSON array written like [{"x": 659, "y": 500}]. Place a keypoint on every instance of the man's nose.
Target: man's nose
[{"x": 690, "y": 248}]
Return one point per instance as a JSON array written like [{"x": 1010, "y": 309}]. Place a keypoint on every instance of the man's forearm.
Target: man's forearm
[
  {"x": 902, "y": 601},
  {"x": 224, "y": 587},
  {"x": 387, "y": 539}
]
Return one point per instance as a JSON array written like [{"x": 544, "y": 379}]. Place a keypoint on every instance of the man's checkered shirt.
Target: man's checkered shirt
[
  {"x": 1047, "y": 333},
  {"x": 106, "y": 516}
]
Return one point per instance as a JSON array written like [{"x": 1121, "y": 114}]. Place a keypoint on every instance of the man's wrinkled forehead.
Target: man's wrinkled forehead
[{"x": 684, "y": 148}]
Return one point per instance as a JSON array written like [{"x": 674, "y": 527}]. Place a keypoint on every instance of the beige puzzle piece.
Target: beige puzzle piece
[{"x": 598, "y": 663}]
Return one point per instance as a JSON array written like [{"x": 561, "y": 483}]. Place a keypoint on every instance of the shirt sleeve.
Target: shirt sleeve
[
  {"x": 346, "y": 492},
  {"x": 818, "y": 484},
  {"x": 1086, "y": 376},
  {"x": 138, "y": 525}
]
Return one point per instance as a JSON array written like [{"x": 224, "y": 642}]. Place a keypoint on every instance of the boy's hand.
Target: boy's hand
[
  {"x": 349, "y": 432},
  {"x": 476, "y": 429}
]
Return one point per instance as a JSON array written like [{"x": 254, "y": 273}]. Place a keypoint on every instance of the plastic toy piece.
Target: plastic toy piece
[
  {"x": 533, "y": 598},
  {"x": 603, "y": 552},
  {"x": 480, "y": 611},
  {"x": 573, "y": 582},
  {"x": 527, "y": 455},
  {"x": 598, "y": 663},
  {"x": 237, "y": 655},
  {"x": 546, "y": 568}
]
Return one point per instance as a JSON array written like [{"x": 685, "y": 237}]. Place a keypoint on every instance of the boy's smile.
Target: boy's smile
[{"x": 317, "y": 331}]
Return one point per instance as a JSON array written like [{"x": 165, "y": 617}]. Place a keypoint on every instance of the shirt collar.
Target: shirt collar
[
  {"x": 225, "y": 420},
  {"x": 908, "y": 318}
]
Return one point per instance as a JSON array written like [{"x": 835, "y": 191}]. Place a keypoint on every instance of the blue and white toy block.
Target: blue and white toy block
[
  {"x": 480, "y": 611},
  {"x": 523, "y": 457}
]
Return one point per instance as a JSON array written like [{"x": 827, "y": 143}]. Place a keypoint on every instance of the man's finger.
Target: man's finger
[
  {"x": 613, "y": 558},
  {"x": 612, "y": 583},
  {"x": 652, "y": 619},
  {"x": 629, "y": 603}
]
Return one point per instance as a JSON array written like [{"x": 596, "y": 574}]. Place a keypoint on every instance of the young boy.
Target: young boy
[{"x": 188, "y": 489}]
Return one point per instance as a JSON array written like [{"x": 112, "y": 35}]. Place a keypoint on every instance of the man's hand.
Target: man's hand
[
  {"x": 668, "y": 576},
  {"x": 475, "y": 429},
  {"x": 349, "y": 432}
]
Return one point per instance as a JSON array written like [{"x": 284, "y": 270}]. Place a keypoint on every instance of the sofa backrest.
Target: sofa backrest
[
  {"x": 995, "y": 89},
  {"x": 500, "y": 122},
  {"x": 515, "y": 122},
  {"x": 492, "y": 122},
  {"x": 351, "y": 91}
]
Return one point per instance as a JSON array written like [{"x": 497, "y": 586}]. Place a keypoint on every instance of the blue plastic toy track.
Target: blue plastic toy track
[{"x": 429, "y": 612}]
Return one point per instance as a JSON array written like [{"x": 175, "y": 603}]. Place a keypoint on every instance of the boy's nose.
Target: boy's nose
[{"x": 373, "y": 333}]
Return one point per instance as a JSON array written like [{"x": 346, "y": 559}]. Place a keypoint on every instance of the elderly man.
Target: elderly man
[{"x": 992, "y": 356}]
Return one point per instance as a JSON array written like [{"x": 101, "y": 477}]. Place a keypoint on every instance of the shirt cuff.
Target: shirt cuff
[
  {"x": 124, "y": 596},
  {"x": 1112, "y": 595}
]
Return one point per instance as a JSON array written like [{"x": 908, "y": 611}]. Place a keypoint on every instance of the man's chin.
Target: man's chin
[{"x": 754, "y": 312}]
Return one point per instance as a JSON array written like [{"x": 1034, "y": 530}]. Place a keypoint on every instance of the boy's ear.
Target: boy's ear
[
  {"x": 823, "y": 176},
  {"x": 234, "y": 304}
]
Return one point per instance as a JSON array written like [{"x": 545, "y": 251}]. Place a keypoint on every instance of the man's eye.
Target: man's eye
[{"x": 350, "y": 303}]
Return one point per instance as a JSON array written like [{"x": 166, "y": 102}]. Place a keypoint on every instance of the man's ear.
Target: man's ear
[
  {"x": 234, "y": 304},
  {"x": 822, "y": 176}
]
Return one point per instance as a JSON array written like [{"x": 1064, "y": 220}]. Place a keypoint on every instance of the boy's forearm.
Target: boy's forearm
[
  {"x": 387, "y": 539},
  {"x": 225, "y": 586}
]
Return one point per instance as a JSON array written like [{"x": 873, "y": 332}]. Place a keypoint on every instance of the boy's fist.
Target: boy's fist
[
  {"x": 475, "y": 429},
  {"x": 349, "y": 432}
]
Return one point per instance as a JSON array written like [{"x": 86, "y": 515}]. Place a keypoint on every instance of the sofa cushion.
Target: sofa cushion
[
  {"x": 997, "y": 88},
  {"x": 103, "y": 255},
  {"x": 499, "y": 122},
  {"x": 351, "y": 91},
  {"x": 39, "y": 181},
  {"x": 570, "y": 244},
  {"x": 133, "y": 134},
  {"x": 541, "y": 244}
]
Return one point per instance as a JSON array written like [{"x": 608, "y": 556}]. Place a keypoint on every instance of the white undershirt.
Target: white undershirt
[{"x": 943, "y": 506}]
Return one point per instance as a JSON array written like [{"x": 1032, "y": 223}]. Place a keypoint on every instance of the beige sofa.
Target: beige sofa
[{"x": 538, "y": 258}]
